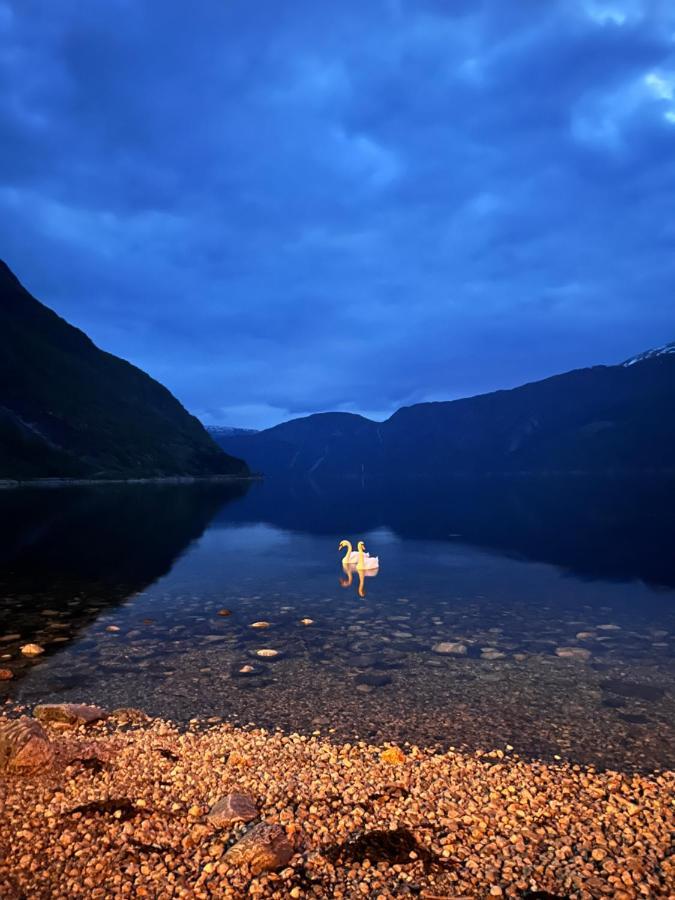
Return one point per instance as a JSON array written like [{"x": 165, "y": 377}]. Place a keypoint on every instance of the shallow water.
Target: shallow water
[{"x": 123, "y": 586}]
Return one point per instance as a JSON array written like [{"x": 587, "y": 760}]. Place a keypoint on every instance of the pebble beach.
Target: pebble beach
[{"x": 121, "y": 805}]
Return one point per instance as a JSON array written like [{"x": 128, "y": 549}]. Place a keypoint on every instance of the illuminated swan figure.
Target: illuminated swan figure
[
  {"x": 351, "y": 557},
  {"x": 366, "y": 562}
]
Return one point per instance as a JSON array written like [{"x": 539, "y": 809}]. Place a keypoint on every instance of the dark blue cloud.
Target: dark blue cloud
[{"x": 281, "y": 208}]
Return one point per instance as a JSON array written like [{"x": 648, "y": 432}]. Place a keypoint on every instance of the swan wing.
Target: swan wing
[{"x": 354, "y": 558}]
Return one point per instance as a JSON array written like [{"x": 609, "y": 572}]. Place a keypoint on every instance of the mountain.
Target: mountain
[
  {"x": 604, "y": 418},
  {"x": 68, "y": 409},
  {"x": 651, "y": 354},
  {"x": 226, "y": 431}
]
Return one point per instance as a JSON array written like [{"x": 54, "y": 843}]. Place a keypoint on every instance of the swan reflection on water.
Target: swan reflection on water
[{"x": 349, "y": 570}]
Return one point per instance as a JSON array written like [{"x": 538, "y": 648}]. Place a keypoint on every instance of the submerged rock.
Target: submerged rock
[
  {"x": 373, "y": 680},
  {"x": 262, "y": 848},
  {"x": 579, "y": 653},
  {"x": 633, "y": 689},
  {"x": 32, "y": 649},
  {"x": 450, "y": 647},
  {"x": 6, "y": 674},
  {"x": 24, "y": 745}
]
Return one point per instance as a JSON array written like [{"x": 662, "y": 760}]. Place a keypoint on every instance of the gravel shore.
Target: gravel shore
[{"x": 123, "y": 811}]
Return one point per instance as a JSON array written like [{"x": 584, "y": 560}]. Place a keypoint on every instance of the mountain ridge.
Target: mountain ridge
[
  {"x": 589, "y": 419},
  {"x": 71, "y": 410}
]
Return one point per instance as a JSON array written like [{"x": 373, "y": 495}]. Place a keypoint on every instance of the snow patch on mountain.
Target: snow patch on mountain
[{"x": 651, "y": 354}]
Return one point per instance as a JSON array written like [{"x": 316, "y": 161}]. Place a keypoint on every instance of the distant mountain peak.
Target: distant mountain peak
[
  {"x": 229, "y": 430},
  {"x": 651, "y": 354}
]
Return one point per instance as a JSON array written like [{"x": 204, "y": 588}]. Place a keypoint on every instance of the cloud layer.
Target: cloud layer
[{"x": 279, "y": 208}]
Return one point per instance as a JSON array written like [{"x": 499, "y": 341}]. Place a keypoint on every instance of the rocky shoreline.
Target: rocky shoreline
[
  {"x": 8, "y": 483},
  {"x": 98, "y": 804}
]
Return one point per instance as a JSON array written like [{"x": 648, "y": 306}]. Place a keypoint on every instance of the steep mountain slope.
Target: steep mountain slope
[
  {"x": 68, "y": 409},
  {"x": 603, "y": 418}
]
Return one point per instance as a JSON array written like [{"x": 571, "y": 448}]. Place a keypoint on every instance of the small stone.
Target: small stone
[
  {"x": 394, "y": 756},
  {"x": 584, "y": 635},
  {"x": 609, "y": 627},
  {"x": 306, "y": 621},
  {"x": 450, "y": 647},
  {"x": 112, "y": 628},
  {"x": 6, "y": 674},
  {"x": 573, "y": 653},
  {"x": 246, "y": 670},
  {"x": 263, "y": 848},
  {"x": 69, "y": 713},
  {"x": 232, "y": 808},
  {"x": 32, "y": 649},
  {"x": 259, "y": 625},
  {"x": 24, "y": 745},
  {"x": 267, "y": 653},
  {"x": 224, "y": 612}
]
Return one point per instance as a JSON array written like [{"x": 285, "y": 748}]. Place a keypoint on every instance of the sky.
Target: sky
[{"x": 278, "y": 208}]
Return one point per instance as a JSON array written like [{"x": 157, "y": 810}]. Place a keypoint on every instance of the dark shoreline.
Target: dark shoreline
[{"x": 9, "y": 483}]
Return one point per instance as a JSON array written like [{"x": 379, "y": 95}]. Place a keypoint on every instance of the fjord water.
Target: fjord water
[{"x": 559, "y": 595}]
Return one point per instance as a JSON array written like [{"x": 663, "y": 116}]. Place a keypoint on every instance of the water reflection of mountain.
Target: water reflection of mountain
[
  {"x": 615, "y": 528},
  {"x": 75, "y": 548}
]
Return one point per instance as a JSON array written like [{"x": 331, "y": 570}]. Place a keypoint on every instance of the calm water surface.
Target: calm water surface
[{"x": 126, "y": 586}]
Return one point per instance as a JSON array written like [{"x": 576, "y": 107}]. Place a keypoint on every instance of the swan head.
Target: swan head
[
  {"x": 344, "y": 544},
  {"x": 361, "y": 545}
]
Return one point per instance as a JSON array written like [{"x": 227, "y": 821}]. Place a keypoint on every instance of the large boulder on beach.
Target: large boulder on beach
[
  {"x": 262, "y": 848},
  {"x": 69, "y": 713},
  {"x": 24, "y": 745},
  {"x": 232, "y": 808}
]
